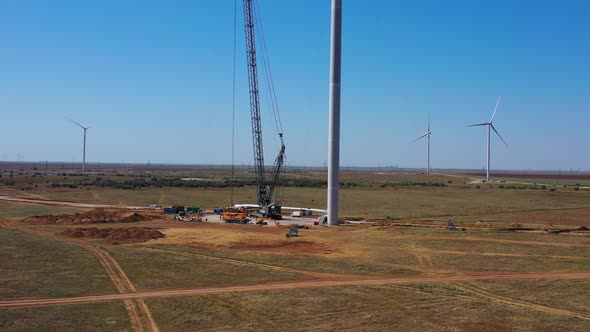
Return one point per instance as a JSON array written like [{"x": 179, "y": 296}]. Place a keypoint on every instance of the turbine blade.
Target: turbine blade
[
  {"x": 90, "y": 126},
  {"x": 81, "y": 126},
  {"x": 495, "y": 109},
  {"x": 497, "y": 133},
  {"x": 479, "y": 124},
  {"x": 429, "y": 123},
  {"x": 419, "y": 138}
]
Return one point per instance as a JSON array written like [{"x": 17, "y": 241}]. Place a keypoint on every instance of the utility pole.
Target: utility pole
[{"x": 334, "y": 131}]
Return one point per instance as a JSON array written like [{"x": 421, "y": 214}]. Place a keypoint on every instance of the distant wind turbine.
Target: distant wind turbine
[
  {"x": 427, "y": 135},
  {"x": 84, "y": 149},
  {"x": 490, "y": 125}
]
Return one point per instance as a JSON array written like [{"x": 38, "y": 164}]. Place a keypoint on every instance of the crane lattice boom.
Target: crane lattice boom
[{"x": 265, "y": 190}]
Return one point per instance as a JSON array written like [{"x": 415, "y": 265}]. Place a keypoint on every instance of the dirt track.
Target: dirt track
[
  {"x": 538, "y": 307},
  {"x": 139, "y": 313},
  {"x": 483, "y": 239},
  {"x": 71, "y": 204},
  {"x": 246, "y": 263},
  {"x": 299, "y": 285}
]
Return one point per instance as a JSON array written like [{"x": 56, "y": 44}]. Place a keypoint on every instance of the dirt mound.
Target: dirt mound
[
  {"x": 90, "y": 217},
  {"x": 481, "y": 223},
  {"x": 120, "y": 235},
  {"x": 548, "y": 227}
]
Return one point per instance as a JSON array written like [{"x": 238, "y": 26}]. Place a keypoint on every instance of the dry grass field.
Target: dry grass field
[
  {"x": 391, "y": 308},
  {"x": 37, "y": 266},
  {"x": 406, "y": 202},
  {"x": 482, "y": 278},
  {"x": 86, "y": 317}
]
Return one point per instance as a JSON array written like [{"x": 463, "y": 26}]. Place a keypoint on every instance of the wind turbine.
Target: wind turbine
[
  {"x": 427, "y": 135},
  {"x": 490, "y": 125},
  {"x": 84, "y": 149}
]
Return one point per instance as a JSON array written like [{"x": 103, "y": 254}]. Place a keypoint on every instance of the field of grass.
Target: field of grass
[
  {"x": 150, "y": 269},
  {"x": 40, "y": 267},
  {"x": 562, "y": 294},
  {"x": 403, "y": 202},
  {"x": 208, "y": 255},
  {"x": 539, "y": 181},
  {"x": 110, "y": 316},
  {"x": 303, "y": 261},
  {"x": 387, "y": 308},
  {"x": 21, "y": 210}
]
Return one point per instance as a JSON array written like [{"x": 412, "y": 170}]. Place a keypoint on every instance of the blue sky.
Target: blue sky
[{"x": 156, "y": 79}]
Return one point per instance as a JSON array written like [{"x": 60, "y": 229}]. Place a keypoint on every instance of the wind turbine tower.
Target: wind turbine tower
[
  {"x": 427, "y": 135},
  {"x": 84, "y": 147},
  {"x": 334, "y": 104},
  {"x": 490, "y": 125}
]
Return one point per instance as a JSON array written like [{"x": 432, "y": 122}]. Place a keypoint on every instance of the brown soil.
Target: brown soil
[
  {"x": 120, "y": 235},
  {"x": 286, "y": 246},
  {"x": 90, "y": 217},
  {"x": 388, "y": 228},
  {"x": 481, "y": 223},
  {"x": 486, "y": 326}
]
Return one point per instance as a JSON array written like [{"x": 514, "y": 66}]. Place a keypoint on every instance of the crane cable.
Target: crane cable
[
  {"x": 233, "y": 120},
  {"x": 267, "y": 70},
  {"x": 280, "y": 190}
]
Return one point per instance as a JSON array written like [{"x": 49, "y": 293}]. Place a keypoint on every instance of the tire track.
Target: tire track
[
  {"x": 138, "y": 311},
  {"x": 238, "y": 262},
  {"x": 483, "y": 239},
  {"x": 478, "y": 294},
  {"x": 199, "y": 291},
  {"x": 501, "y": 299}
]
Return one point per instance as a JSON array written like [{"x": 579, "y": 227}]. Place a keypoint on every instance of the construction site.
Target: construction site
[
  {"x": 273, "y": 246},
  {"x": 95, "y": 257}
]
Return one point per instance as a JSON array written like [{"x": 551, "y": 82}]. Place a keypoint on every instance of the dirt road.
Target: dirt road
[
  {"x": 485, "y": 239},
  {"x": 70, "y": 204},
  {"x": 297, "y": 285},
  {"x": 138, "y": 311}
]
